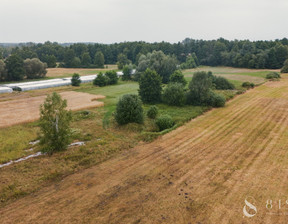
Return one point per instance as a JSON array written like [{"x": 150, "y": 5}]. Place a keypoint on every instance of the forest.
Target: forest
[{"x": 189, "y": 53}]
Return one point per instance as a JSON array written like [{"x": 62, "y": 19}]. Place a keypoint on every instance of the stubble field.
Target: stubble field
[{"x": 200, "y": 173}]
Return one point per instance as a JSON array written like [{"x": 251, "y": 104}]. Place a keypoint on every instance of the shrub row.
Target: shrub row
[{"x": 273, "y": 75}]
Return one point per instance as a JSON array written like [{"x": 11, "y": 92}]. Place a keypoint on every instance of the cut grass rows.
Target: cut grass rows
[
  {"x": 213, "y": 143},
  {"x": 193, "y": 141},
  {"x": 101, "y": 143}
]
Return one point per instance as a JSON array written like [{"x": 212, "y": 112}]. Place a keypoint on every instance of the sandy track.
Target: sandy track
[
  {"x": 200, "y": 173},
  {"x": 27, "y": 109}
]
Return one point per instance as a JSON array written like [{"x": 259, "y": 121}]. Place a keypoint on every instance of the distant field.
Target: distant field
[
  {"x": 66, "y": 72},
  {"x": 257, "y": 76},
  {"x": 230, "y": 70}
]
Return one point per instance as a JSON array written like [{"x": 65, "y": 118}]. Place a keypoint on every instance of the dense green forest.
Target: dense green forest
[
  {"x": 236, "y": 53},
  {"x": 15, "y": 64}
]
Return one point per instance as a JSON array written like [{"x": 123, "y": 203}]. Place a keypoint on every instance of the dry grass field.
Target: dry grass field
[
  {"x": 27, "y": 109},
  {"x": 200, "y": 173}
]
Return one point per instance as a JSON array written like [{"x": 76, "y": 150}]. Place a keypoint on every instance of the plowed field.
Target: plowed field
[{"x": 200, "y": 173}]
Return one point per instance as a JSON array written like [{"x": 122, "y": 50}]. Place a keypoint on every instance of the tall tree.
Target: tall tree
[
  {"x": 85, "y": 59},
  {"x": 99, "y": 59},
  {"x": 69, "y": 57},
  {"x": 34, "y": 68},
  {"x": 150, "y": 86},
  {"x": 15, "y": 68},
  {"x": 199, "y": 88},
  {"x": 50, "y": 61},
  {"x": 164, "y": 65},
  {"x": 122, "y": 60}
]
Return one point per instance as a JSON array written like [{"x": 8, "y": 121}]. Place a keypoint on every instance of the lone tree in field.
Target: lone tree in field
[
  {"x": 55, "y": 124},
  {"x": 150, "y": 87}
]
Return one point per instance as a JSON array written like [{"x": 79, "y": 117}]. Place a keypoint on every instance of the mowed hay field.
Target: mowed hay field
[{"x": 200, "y": 173}]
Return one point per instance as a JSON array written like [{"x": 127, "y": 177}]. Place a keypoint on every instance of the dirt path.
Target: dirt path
[
  {"x": 27, "y": 109},
  {"x": 200, "y": 173}
]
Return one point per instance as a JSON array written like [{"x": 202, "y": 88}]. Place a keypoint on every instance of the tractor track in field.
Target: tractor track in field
[{"x": 200, "y": 173}]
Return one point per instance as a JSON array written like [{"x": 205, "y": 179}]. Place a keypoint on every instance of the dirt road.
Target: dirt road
[
  {"x": 200, "y": 173},
  {"x": 27, "y": 109}
]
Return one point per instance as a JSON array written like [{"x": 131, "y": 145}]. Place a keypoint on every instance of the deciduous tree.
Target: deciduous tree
[
  {"x": 15, "y": 68},
  {"x": 34, "y": 68},
  {"x": 55, "y": 122},
  {"x": 150, "y": 86}
]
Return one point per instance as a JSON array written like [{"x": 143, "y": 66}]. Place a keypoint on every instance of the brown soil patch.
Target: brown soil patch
[
  {"x": 200, "y": 173},
  {"x": 27, "y": 109}
]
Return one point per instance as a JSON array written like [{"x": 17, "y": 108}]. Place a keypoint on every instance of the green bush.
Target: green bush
[
  {"x": 129, "y": 110},
  {"x": 164, "y": 122},
  {"x": 100, "y": 80},
  {"x": 216, "y": 100},
  {"x": 178, "y": 77},
  {"x": 174, "y": 94},
  {"x": 152, "y": 112},
  {"x": 76, "y": 81},
  {"x": 222, "y": 83},
  {"x": 112, "y": 77},
  {"x": 248, "y": 85},
  {"x": 273, "y": 75}
]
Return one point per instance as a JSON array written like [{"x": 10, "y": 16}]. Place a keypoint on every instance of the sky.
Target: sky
[{"x": 110, "y": 21}]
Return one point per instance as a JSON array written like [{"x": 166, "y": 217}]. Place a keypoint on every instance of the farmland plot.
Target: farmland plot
[
  {"x": 200, "y": 173},
  {"x": 27, "y": 109}
]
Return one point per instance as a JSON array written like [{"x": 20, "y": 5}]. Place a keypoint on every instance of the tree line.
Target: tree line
[{"x": 220, "y": 52}]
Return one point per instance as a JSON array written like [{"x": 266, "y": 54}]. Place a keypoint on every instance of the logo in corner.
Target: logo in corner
[{"x": 249, "y": 210}]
